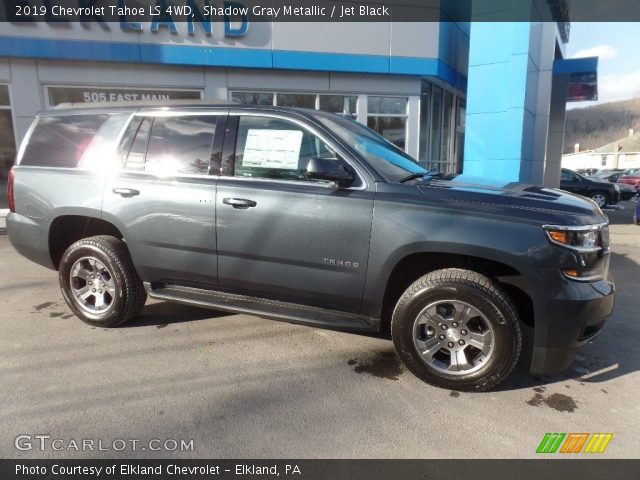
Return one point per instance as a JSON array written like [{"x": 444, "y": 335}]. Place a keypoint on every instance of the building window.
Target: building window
[
  {"x": 436, "y": 125},
  {"x": 425, "y": 110},
  {"x": 341, "y": 104},
  {"x": 253, "y": 98},
  {"x": 7, "y": 137},
  {"x": 460, "y": 129},
  {"x": 441, "y": 140},
  {"x": 300, "y": 100},
  {"x": 344, "y": 104},
  {"x": 446, "y": 149},
  {"x": 388, "y": 117}
]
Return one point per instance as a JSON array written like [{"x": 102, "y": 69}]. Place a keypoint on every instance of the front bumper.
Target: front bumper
[
  {"x": 571, "y": 318},
  {"x": 617, "y": 196}
]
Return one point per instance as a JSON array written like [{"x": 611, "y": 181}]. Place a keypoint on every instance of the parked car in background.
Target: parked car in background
[
  {"x": 602, "y": 192},
  {"x": 587, "y": 172},
  {"x": 627, "y": 192},
  {"x": 632, "y": 179},
  {"x": 609, "y": 175}
]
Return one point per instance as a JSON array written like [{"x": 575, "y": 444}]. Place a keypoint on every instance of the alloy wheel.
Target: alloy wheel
[
  {"x": 453, "y": 337},
  {"x": 92, "y": 285},
  {"x": 600, "y": 199}
]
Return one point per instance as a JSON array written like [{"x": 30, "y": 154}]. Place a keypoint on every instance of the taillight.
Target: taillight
[{"x": 12, "y": 203}]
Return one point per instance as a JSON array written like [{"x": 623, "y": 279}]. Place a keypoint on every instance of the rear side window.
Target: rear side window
[
  {"x": 61, "y": 141},
  {"x": 173, "y": 145},
  {"x": 180, "y": 145}
]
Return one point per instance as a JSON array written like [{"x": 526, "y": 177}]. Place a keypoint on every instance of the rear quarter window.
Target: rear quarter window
[{"x": 61, "y": 141}]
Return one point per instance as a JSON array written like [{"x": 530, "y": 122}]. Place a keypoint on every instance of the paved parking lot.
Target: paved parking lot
[{"x": 242, "y": 386}]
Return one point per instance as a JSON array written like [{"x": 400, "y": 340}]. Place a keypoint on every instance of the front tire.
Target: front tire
[
  {"x": 601, "y": 198},
  {"x": 457, "y": 329},
  {"x": 99, "y": 282}
]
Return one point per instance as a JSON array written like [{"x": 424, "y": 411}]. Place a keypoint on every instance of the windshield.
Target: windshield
[{"x": 391, "y": 162}]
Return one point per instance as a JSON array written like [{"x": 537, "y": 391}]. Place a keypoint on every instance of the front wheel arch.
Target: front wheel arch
[{"x": 491, "y": 322}]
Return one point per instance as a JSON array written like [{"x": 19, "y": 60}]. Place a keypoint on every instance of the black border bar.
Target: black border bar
[
  {"x": 102, "y": 11},
  {"x": 542, "y": 469}
]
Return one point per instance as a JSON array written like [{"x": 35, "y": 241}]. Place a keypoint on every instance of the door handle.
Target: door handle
[
  {"x": 126, "y": 192},
  {"x": 242, "y": 203}
]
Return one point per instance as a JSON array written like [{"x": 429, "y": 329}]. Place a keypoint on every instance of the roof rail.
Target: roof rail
[{"x": 146, "y": 103}]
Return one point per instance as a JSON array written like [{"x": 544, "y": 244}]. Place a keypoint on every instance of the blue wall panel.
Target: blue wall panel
[{"x": 499, "y": 129}]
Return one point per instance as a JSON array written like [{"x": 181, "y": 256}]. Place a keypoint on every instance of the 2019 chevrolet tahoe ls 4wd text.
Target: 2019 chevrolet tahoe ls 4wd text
[{"x": 312, "y": 218}]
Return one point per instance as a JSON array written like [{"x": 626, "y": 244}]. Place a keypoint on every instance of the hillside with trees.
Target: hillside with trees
[{"x": 593, "y": 127}]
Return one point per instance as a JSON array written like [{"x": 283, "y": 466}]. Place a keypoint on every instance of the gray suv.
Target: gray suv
[{"x": 311, "y": 218}]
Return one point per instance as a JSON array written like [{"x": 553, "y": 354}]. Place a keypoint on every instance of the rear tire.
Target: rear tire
[
  {"x": 99, "y": 282},
  {"x": 457, "y": 329}
]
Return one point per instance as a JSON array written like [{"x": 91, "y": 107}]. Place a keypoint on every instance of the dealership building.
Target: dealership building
[{"x": 485, "y": 99}]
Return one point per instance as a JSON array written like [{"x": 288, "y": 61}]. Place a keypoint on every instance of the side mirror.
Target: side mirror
[{"x": 332, "y": 169}]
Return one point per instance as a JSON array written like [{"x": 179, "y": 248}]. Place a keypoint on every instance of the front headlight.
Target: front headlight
[
  {"x": 585, "y": 238},
  {"x": 589, "y": 243},
  {"x": 616, "y": 187}
]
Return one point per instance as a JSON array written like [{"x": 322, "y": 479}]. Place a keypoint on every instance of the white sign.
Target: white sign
[
  {"x": 58, "y": 95},
  {"x": 272, "y": 149}
]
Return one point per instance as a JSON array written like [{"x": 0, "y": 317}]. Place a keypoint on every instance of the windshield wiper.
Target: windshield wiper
[{"x": 412, "y": 177}]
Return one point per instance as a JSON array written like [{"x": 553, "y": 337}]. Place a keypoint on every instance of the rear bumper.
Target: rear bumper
[
  {"x": 569, "y": 320},
  {"x": 29, "y": 238}
]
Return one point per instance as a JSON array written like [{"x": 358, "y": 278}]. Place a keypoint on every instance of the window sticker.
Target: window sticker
[{"x": 272, "y": 148}]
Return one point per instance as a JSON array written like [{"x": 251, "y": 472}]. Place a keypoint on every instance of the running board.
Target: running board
[{"x": 262, "y": 307}]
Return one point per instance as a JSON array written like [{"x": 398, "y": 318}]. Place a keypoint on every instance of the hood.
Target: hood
[{"x": 538, "y": 204}]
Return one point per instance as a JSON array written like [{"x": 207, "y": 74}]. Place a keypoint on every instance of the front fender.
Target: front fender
[{"x": 400, "y": 232}]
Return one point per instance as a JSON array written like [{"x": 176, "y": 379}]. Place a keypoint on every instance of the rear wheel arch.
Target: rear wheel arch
[{"x": 68, "y": 229}]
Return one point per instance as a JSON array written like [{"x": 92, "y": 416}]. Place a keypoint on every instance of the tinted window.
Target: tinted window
[
  {"x": 568, "y": 176},
  {"x": 180, "y": 145},
  {"x": 135, "y": 159},
  {"x": 99, "y": 154},
  {"x": 275, "y": 148},
  {"x": 61, "y": 141}
]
